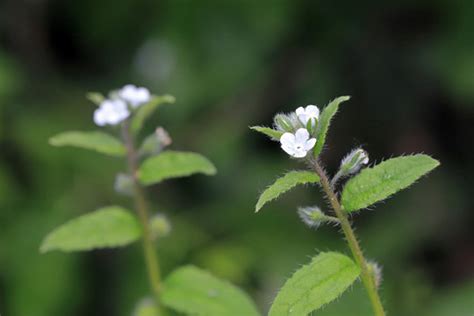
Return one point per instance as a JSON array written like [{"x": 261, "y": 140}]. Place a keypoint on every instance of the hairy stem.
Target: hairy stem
[
  {"x": 141, "y": 206},
  {"x": 357, "y": 253}
]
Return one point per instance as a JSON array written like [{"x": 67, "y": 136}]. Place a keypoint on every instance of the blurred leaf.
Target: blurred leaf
[
  {"x": 173, "y": 164},
  {"x": 193, "y": 291},
  {"x": 381, "y": 181},
  {"x": 146, "y": 110},
  {"x": 108, "y": 227},
  {"x": 327, "y": 276},
  {"x": 95, "y": 97},
  {"x": 284, "y": 184},
  {"x": 270, "y": 132},
  {"x": 324, "y": 120},
  {"x": 98, "y": 141}
]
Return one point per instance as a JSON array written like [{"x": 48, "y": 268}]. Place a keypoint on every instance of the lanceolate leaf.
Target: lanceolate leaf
[
  {"x": 108, "y": 227},
  {"x": 173, "y": 164},
  {"x": 324, "y": 120},
  {"x": 146, "y": 110},
  {"x": 193, "y": 291},
  {"x": 283, "y": 184},
  {"x": 98, "y": 141},
  {"x": 378, "y": 183},
  {"x": 270, "y": 132},
  {"x": 327, "y": 276}
]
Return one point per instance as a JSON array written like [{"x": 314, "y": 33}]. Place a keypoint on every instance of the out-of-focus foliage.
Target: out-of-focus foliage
[{"x": 232, "y": 64}]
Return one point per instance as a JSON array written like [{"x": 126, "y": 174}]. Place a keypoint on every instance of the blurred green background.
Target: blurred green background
[{"x": 409, "y": 66}]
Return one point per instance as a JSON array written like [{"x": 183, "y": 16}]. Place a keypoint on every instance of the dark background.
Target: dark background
[{"x": 408, "y": 65}]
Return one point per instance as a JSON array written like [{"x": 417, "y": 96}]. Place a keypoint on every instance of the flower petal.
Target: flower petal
[
  {"x": 310, "y": 144},
  {"x": 312, "y": 111},
  {"x": 301, "y": 153},
  {"x": 288, "y": 149},
  {"x": 301, "y": 135},
  {"x": 287, "y": 139},
  {"x": 300, "y": 111}
]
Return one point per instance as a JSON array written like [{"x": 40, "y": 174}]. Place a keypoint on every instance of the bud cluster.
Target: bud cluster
[{"x": 313, "y": 217}]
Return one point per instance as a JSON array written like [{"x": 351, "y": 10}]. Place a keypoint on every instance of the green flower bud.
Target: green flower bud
[
  {"x": 159, "y": 226},
  {"x": 313, "y": 217},
  {"x": 283, "y": 122},
  {"x": 155, "y": 142},
  {"x": 355, "y": 160},
  {"x": 123, "y": 184}
]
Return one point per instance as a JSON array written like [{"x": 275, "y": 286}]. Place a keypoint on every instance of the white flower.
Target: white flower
[
  {"x": 311, "y": 112},
  {"x": 298, "y": 144},
  {"x": 111, "y": 112},
  {"x": 134, "y": 95}
]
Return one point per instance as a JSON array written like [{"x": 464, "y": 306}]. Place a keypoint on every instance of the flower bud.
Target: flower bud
[
  {"x": 355, "y": 160},
  {"x": 376, "y": 271},
  {"x": 313, "y": 217},
  {"x": 154, "y": 143},
  {"x": 159, "y": 226},
  {"x": 123, "y": 184},
  {"x": 146, "y": 307},
  {"x": 283, "y": 122}
]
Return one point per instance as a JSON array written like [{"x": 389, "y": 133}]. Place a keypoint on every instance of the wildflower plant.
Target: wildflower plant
[
  {"x": 188, "y": 289},
  {"x": 302, "y": 135}
]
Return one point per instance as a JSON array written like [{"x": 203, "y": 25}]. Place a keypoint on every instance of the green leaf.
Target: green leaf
[
  {"x": 98, "y": 141},
  {"x": 324, "y": 120},
  {"x": 378, "y": 183},
  {"x": 327, "y": 276},
  {"x": 108, "y": 227},
  {"x": 146, "y": 110},
  {"x": 95, "y": 97},
  {"x": 193, "y": 291},
  {"x": 283, "y": 184},
  {"x": 173, "y": 164},
  {"x": 270, "y": 132}
]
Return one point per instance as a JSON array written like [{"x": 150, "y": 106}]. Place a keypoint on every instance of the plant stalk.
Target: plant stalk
[
  {"x": 141, "y": 207},
  {"x": 366, "y": 276}
]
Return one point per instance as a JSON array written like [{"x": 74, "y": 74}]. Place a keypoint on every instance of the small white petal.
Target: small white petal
[
  {"x": 300, "y": 111},
  {"x": 288, "y": 149},
  {"x": 310, "y": 144},
  {"x": 312, "y": 111},
  {"x": 301, "y": 135},
  {"x": 287, "y": 139},
  {"x": 300, "y": 153}
]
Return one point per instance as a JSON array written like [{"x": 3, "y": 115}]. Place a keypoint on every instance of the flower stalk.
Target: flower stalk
[
  {"x": 366, "y": 276},
  {"x": 142, "y": 209}
]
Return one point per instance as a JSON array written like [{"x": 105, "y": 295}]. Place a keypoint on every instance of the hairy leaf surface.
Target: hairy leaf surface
[
  {"x": 324, "y": 121},
  {"x": 108, "y": 227},
  {"x": 270, "y": 132},
  {"x": 324, "y": 279},
  {"x": 381, "y": 181},
  {"x": 284, "y": 184}
]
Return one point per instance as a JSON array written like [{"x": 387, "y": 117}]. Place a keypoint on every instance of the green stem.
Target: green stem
[
  {"x": 141, "y": 206},
  {"x": 357, "y": 253}
]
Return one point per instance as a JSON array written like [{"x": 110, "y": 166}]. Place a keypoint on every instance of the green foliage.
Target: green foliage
[
  {"x": 284, "y": 184},
  {"x": 108, "y": 227},
  {"x": 191, "y": 290},
  {"x": 324, "y": 120},
  {"x": 173, "y": 164},
  {"x": 95, "y": 97},
  {"x": 98, "y": 141},
  {"x": 327, "y": 276},
  {"x": 147, "y": 110},
  {"x": 270, "y": 132},
  {"x": 378, "y": 183}
]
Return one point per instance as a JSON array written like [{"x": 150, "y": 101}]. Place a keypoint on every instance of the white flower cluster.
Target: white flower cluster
[
  {"x": 299, "y": 144},
  {"x": 114, "y": 110}
]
